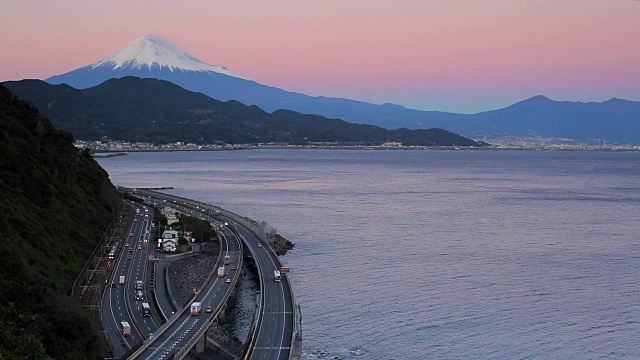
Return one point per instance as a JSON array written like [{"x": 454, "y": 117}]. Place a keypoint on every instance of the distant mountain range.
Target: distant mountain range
[
  {"x": 157, "y": 111},
  {"x": 151, "y": 57}
]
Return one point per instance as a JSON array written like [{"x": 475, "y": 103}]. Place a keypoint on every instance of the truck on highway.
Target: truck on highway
[
  {"x": 139, "y": 284},
  {"x": 146, "y": 310},
  {"x": 221, "y": 271},
  {"x": 276, "y": 275},
  {"x": 125, "y": 328},
  {"x": 196, "y": 307},
  {"x": 227, "y": 259},
  {"x": 121, "y": 279}
]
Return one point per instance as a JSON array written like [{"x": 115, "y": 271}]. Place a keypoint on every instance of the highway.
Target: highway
[
  {"x": 275, "y": 325},
  {"x": 119, "y": 300},
  {"x": 273, "y": 335},
  {"x": 177, "y": 336}
]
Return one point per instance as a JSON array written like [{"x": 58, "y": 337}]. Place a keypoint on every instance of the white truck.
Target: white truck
[
  {"x": 125, "y": 328},
  {"x": 196, "y": 307},
  {"x": 221, "y": 271},
  {"x": 276, "y": 275},
  {"x": 227, "y": 259},
  {"x": 146, "y": 309},
  {"x": 121, "y": 279}
]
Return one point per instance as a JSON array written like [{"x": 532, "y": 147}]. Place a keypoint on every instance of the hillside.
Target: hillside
[
  {"x": 158, "y": 111},
  {"x": 615, "y": 120},
  {"x": 56, "y": 204}
]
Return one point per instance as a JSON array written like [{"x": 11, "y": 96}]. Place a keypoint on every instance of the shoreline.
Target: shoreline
[{"x": 96, "y": 152}]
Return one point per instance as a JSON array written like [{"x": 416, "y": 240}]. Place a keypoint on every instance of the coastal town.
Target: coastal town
[{"x": 117, "y": 146}]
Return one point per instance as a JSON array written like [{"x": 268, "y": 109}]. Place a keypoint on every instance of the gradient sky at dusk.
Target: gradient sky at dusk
[{"x": 451, "y": 55}]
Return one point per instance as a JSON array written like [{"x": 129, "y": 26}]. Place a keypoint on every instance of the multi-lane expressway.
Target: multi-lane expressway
[
  {"x": 178, "y": 335},
  {"x": 119, "y": 300},
  {"x": 275, "y": 324},
  {"x": 272, "y": 334}
]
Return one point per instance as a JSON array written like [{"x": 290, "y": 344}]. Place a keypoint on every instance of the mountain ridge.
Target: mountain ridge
[
  {"x": 615, "y": 119},
  {"x": 151, "y": 110}
]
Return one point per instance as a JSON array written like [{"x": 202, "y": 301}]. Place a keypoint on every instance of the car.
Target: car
[
  {"x": 139, "y": 247},
  {"x": 128, "y": 257},
  {"x": 228, "y": 281},
  {"x": 135, "y": 220},
  {"x": 150, "y": 335},
  {"x": 130, "y": 249},
  {"x": 147, "y": 231},
  {"x": 209, "y": 309},
  {"x": 259, "y": 245},
  {"x": 130, "y": 234},
  {"x": 113, "y": 284},
  {"x": 232, "y": 267},
  {"x": 126, "y": 244}
]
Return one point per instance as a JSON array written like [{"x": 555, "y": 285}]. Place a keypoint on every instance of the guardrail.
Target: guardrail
[
  {"x": 253, "y": 227},
  {"x": 253, "y": 333},
  {"x": 248, "y": 350},
  {"x": 182, "y": 352},
  {"x": 202, "y": 330},
  {"x": 174, "y": 318},
  {"x": 293, "y": 303}
]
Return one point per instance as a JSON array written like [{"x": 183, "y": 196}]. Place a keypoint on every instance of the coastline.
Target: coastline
[{"x": 121, "y": 150}]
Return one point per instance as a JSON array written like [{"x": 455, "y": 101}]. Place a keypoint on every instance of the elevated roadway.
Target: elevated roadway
[
  {"x": 272, "y": 334},
  {"x": 272, "y": 338},
  {"x": 180, "y": 333}
]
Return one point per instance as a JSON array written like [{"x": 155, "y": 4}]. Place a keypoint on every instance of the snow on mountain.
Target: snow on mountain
[
  {"x": 152, "y": 57},
  {"x": 149, "y": 51}
]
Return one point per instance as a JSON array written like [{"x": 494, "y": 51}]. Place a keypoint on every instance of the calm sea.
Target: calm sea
[{"x": 438, "y": 254}]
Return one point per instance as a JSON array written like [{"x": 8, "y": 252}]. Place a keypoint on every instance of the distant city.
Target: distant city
[{"x": 513, "y": 143}]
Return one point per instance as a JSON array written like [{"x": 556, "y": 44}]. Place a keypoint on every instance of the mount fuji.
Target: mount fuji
[
  {"x": 153, "y": 57},
  {"x": 155, "y": 53}
]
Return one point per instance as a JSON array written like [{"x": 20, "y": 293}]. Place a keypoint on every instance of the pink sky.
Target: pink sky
[{"x": 450, "y": 55}]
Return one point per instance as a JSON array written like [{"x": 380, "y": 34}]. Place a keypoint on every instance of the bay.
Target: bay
[{"x": 438, "y": 254}]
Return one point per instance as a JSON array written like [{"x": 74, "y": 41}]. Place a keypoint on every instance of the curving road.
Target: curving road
[
  {"x": 177, "y": 336},
  {"x": 273, "y": 335},
  {"x": 275, "y": 325}
]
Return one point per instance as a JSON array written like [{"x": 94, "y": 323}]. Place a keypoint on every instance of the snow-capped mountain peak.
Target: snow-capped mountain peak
[{"x": 149, "y": 51}]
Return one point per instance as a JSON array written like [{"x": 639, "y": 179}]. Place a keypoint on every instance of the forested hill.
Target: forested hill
[
  {"x": 157, "y": 111},
  {"x": 55, "y": 204}
]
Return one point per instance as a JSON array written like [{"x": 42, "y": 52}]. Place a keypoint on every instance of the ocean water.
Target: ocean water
[{"x": 438, "y": 254}]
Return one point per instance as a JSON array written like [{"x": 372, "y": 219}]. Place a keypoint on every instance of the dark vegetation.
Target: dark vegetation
[
  {"x": 159, "y": 112},
  {"x": 56, "y": 203},
  {"x": 280, "y": 245},
  {"x": 200, "y": 229}
]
